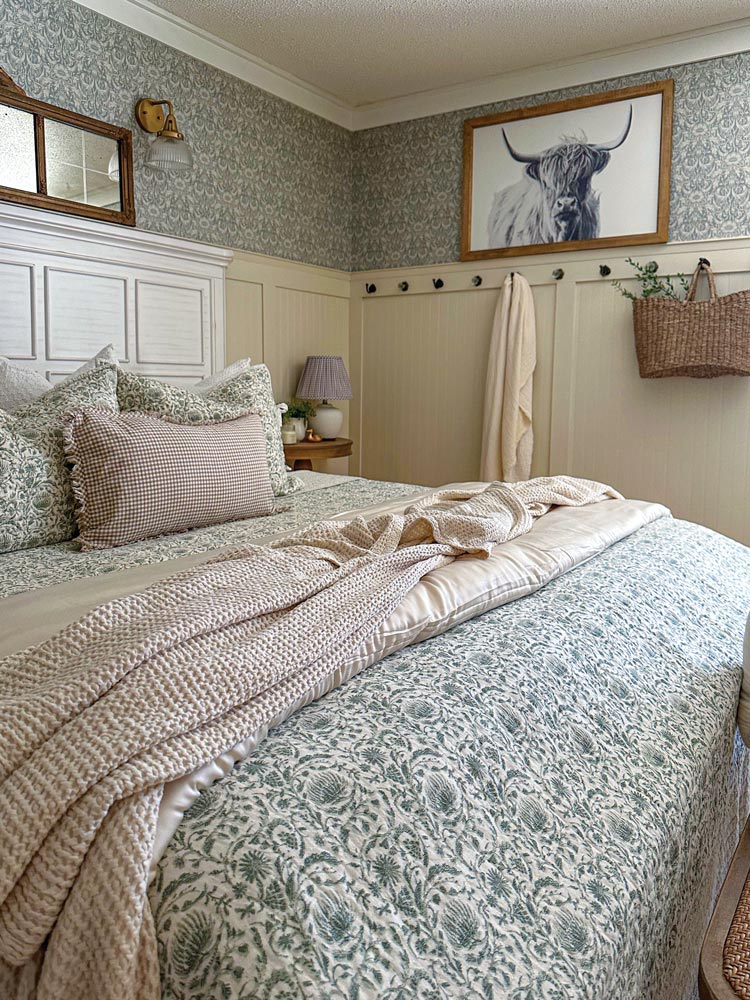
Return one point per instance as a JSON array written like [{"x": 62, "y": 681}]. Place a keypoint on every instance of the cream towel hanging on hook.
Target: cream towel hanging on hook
[{"x": 507, "y": 435}]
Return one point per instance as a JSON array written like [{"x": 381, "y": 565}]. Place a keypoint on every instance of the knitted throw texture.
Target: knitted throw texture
[{"x": 151, "y": 686}]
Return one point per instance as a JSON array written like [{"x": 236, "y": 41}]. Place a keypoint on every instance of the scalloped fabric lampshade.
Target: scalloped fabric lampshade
[{"x": 324, "y": 377}]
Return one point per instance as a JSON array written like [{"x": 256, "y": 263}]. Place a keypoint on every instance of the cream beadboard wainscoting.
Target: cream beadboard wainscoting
[
  {"x": 418, "y": 364},
  {"x": 278, "y": 312}
]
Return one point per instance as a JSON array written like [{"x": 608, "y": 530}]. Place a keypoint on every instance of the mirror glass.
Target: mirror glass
[
  {"x": 82, "y": 166},
  {"x": 17, "y": 149}
]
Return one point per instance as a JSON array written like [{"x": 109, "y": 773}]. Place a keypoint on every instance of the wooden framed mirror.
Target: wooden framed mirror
[{"x": 62, "y": 161}]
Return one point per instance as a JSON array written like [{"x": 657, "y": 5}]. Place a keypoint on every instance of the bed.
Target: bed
[
  {"x": 539, "y": 802},
  {"x": 526, "y": 784}
]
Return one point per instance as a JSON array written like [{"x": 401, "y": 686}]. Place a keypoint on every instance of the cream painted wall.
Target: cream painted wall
[
  {"x": 278, "y": 312},
  {"x": 419, "y": 357},
  {"x": 422, "y": 366}
]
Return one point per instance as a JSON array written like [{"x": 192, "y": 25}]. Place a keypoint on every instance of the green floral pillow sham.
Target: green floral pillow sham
[
  {"x": 36, "y": 499},
  {"x": 251, "y": 389}
]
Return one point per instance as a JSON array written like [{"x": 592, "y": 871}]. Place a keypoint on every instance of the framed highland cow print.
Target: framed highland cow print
[{"x": 587, "y": 172}]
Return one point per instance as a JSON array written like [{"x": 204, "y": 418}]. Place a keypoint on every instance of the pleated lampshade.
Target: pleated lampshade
[{"x": 324, "y": 377}]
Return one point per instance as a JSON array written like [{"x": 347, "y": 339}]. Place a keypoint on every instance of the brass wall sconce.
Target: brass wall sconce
[{"x": 168, "y": 151}]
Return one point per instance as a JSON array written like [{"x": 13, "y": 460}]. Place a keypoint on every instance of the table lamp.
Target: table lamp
[{"x": 325, "y": 377}]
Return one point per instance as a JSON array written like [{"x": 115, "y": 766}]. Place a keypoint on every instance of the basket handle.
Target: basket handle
[{"x": 703, "y": 268}]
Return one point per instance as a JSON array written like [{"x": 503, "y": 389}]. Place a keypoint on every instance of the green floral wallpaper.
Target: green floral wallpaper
[
  {"x": 268, "y": 176},
  {"x": 407, "y": 177},
  {"x": 275, "y": 179}
]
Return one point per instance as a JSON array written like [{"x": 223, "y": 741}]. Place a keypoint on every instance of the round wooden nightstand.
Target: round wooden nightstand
[{"x": 300, "y": 455}]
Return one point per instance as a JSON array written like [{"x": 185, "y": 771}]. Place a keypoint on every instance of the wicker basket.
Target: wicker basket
[{"x": 698, "y": 339}]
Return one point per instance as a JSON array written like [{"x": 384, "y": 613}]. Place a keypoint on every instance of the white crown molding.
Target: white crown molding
[
  {"x": 180, "y": 34},
  {"x": 691, "y": 46}
]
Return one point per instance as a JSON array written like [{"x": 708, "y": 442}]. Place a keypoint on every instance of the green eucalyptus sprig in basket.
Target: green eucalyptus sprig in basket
[{"x": 653, "y": 285}]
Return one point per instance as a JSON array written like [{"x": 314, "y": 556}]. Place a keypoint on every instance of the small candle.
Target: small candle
[{"x": 288, "y": 435}]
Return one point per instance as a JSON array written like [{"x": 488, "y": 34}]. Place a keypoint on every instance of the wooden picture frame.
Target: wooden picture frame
[
  {"x": 12, "y": 96},
  {"x": 548, "y": 200}
]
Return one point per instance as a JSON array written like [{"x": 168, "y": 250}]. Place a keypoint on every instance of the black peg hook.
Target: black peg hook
[
  {"x": 558, "y": 273},
  {"x": 604, "y": 270},
  {"x": 476, "y": 280},
  {"x": 369, "y": 288},
  {"x": 437, "y": 282},
  {"x": 404, "y": 286}
]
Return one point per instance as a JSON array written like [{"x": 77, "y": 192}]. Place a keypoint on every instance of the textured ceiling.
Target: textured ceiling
[{"x": 363, "y": 51}]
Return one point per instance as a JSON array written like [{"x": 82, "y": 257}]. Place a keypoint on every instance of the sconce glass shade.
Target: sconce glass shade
[{"x": 169, "y": 154}]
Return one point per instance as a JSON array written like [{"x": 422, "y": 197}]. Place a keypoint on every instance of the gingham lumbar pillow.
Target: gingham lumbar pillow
[{"x": 137, "y": 475}]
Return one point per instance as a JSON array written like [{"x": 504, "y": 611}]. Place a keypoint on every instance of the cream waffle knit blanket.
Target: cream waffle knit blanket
[{"x": 149, "y": 687}]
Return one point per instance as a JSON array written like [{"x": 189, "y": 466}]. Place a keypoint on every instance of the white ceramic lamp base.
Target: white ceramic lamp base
[{"x": 327, "y": 421}]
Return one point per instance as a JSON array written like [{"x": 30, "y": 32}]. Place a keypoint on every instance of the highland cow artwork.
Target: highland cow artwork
[{"x": 592, "y": 171}]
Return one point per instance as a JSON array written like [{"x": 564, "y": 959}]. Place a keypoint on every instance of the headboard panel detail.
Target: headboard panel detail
[{"x": 70, "y": 286}]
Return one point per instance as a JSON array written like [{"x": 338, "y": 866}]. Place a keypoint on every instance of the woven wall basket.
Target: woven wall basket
[{"x": 698, "y": 339}]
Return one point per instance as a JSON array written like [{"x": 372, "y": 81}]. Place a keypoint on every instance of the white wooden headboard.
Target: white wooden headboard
[{"x": 70, "y": 286}]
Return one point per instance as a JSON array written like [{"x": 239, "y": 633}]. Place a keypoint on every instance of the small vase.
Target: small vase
[{"x": 300, "y": 425}]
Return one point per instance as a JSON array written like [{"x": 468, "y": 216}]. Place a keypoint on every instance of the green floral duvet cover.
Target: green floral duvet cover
[
  {"x": 31, "y": 569},
  {"x": 537, "y": 805}
]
